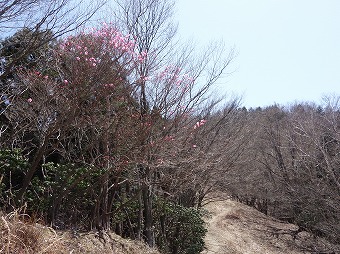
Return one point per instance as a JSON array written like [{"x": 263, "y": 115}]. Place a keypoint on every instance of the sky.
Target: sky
[{"x": 286, "y": 50}]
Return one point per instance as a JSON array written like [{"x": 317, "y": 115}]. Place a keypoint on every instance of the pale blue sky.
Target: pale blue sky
[{"x": 287, "y": 50}]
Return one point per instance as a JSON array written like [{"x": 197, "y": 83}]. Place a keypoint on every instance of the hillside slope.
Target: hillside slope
[
  {"x": 234, "y": 228},
  {"x": 21, "y": 236}
]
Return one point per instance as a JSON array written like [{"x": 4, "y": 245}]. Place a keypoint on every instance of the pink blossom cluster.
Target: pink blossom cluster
[
  {"x": 168, "y": 72},
  {"x": 115, "y": 38},
  {"x": 108, "y": 85},
  {"x": 103, "y": 45},
  {"x": 199, "y": 124},
  {"x": 147, "y": 124},
  {"x": 37, "y": 73},
  {"x": 92, "y": 61},
  {"x": 120, "y": 42},
  {"x": 142, "y": 56},
  {"x": 97, "y": 50},
  {"x": 82, "y": 53},
  {"x": 94, "y": 44},
  {"x": 169, "y": 138},
  {"x": 144, "y": 78},
  {"x": 173, "y": 76}
]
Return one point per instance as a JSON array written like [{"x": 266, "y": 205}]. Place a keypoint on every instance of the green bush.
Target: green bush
[
  {"x": 177, "y": 229},
  {"x": 181, "y": 230},
  {"x": 69, "y": 184},
  {"x": 13, "y": 167},
  {"x": 63, "y": 191}
]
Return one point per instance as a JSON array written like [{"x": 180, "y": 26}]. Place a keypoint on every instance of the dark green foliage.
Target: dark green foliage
[
  {"x": 181, "y": 230},
  {"x": 56, "y": 190},
  {"x": 178, "y": 229},
  {"x": 82, "y": 194},
  {"x": 26, "y": 48},
  {"x": 64, "y": 192},
  {"x": 12, "y": 169}
]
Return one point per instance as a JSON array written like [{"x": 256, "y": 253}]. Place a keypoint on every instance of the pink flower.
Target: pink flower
[
  {"x": 169, "y": 138},
  {"x": 199, "y": 124},
  {"x": 78, "y": 58},
  {"x": 29, "y": 100},
  {"x": 109, "y": 85},
  {"x": 144, "y": 78},
  {"x": 65, "y": 81},
  {"x": 94, "y": 64},
  {"x": 194, "y": 146}
]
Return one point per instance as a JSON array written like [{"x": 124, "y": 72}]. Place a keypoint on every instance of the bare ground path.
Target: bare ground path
[{"x": 234, "y": 228}]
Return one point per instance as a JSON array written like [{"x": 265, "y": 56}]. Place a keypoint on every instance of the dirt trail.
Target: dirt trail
[{"x": 234, "y": 228}]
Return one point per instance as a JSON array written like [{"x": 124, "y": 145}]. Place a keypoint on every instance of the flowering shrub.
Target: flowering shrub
[
  {"x": 98, "y": 58},
  {"x": 199, "y": 124},
  {"x": 170, "y": 90},
  {"x": 91, "y": 103}
]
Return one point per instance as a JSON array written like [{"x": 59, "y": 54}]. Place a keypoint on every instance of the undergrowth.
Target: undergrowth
[{"x": 22, "y": 235}]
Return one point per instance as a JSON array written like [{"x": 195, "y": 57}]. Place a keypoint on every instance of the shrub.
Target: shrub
[
  {"x": 181, "y": 230},
  {"x": 13, "y": 166}
]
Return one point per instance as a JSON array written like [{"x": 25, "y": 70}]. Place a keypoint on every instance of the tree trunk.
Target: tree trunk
[
  {"x": 140, "y": 216},
  {"x": 148, "y": 223},
  {"x": 105, "y": 221},
  {"x": 33, "y": 168}
]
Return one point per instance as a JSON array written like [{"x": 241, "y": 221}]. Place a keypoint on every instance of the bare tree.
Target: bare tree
[
  {"x": 143, "y": 117},
  {"x": 52, "y": 100},
  {"x": 170, "y": 84},
  {"x": 294, "y": 166},
  {"x": 61, "y": 16},
  {"x": 58, "y": 17}
]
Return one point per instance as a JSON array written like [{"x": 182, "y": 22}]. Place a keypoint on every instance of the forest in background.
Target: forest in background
[{"x": 116, "y": 126}]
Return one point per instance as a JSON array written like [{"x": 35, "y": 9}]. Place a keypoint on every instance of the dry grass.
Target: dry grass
[
  {"x": 90, "y": 242},
  {"x": 21, "y": 235},
  {"x": 233, "y": 229}
]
